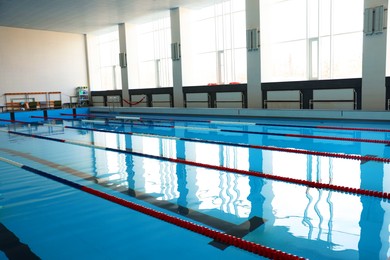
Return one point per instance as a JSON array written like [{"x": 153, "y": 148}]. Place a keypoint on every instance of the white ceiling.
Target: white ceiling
[{"x": 84, "y": 16}]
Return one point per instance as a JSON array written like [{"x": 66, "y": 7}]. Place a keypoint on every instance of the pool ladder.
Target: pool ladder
[{"x": 111, "y": 106}]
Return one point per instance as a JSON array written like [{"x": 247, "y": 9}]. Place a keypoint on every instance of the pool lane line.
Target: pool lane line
[
  {"x": 321, "y": 137},
  {"x": 332, "y": 138},
  {"x": 258, "y": 124},
  {"x": 312, "y": 184},
  {"x": 116, "y": 117},
  {"x": 239, "y": 230},
  {"x": 137, "y": 118},
  {"x": 214, "y": 234},
  {"x": 100, "y": 121},
  {"x": 55, "y": 118},
  {"x": 362, "y": 158},
  {"x": 20, "y": 122}
]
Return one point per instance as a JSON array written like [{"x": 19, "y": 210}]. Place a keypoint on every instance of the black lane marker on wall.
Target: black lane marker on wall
[
  {"x": 12, "y": 247},
  {"x": 367, "y": 158},
  {"x": 236, "y": 230}
]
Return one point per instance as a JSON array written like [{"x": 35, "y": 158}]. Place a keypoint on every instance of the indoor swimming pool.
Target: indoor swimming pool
[{"x": 79, "y": 184}]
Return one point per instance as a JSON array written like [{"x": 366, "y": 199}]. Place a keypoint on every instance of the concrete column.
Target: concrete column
[
  {"x": 124, "y": 73},
  {"x": 374, "y": 65},
  {"x": 253, "y": 57},
  {"x": 177, "y": 64}
]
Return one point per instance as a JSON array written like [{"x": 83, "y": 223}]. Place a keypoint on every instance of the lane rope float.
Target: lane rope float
[
  {"x": 203, "y": 230},
  {"x": 250, "y": 123},
  {"x": 21, "y": 122},
  {"x": 262, "y": 147},
  {"x": 379, "y": 194},
  {"x": 364, "y": 140},
  {"x": 378, "y": 141},
  {"x": 55, "y": 118}
]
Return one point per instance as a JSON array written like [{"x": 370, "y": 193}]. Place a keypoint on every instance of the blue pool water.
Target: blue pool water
[{"x": 51, "y": 220}]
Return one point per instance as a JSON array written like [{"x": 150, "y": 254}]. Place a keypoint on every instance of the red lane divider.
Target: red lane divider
[
  {"x": 307, "y": 183},
  {"x": 355, "y": 129},
  {"x": 53, "y": 118},
  {"x": 18, "y": 121},
  {"x": 214, "y": 234},
  {"x": 262, "y": 147},
  {"x": 289, "y": 150},
  {"x": 379, "y": 194},
  {"x": 326, "y": 154},
  {"x": 265, "y": 124},
  {"x": 309, "y": 136},
  {"x": 297, "y": 135},
  {"x": 340, "y": 138},
  {"x": 84, "y": 115}
]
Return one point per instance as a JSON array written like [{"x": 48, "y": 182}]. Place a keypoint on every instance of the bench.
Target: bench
[
  {"x": 12, "y": 106},
  {"x": 33, "y": 105}
]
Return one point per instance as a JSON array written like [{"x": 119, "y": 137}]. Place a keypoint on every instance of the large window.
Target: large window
[
  {"x": 220, "y": 43},
  {"x": 154, "y": 54},
  {"x": 103, "y": 52},
  {"x": 388, "y": 51},
  {"x": 311, "y": 39}
]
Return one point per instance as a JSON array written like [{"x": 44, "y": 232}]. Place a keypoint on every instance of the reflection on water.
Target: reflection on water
[{"x": 309, "y": 222}]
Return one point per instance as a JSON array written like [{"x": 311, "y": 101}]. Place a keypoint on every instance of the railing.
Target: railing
[
  {"x": 105, "y": 97},
  {"x": 234, "y": 94},
  {"x": 212, "y": 95},
  {"x": 32, "y": 100},
  {"x": 307, "y": 88},
  {"x": 155, "y": 97},
  {"x": 353, "y": 101},
  {"x": 299, "y": 101},
  {"x": 145, "y": 97}
]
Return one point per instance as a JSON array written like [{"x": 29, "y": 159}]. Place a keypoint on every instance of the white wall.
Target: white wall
[{"x": 33, "y": 60}]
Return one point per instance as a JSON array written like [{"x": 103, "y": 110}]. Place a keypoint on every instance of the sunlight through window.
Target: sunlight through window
[
  {"x": 321, "y": 40},
  {"x": 154, "y": 54},
  {"x": 221, "y": 43}
]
